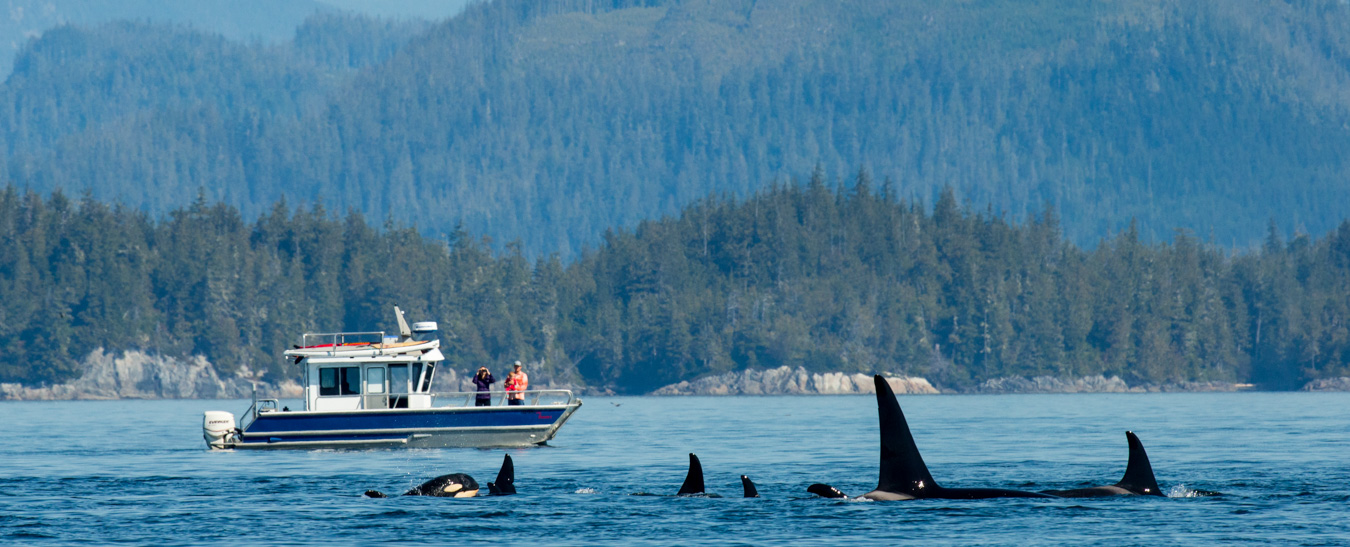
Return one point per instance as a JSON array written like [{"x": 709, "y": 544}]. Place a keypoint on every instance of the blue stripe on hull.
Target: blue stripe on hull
[{"x": 273, "y": 423}]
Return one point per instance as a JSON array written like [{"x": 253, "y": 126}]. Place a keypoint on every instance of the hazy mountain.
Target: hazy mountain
[
  {"x": 552, "y": 121},
  {"x": 252, "y": 20}
]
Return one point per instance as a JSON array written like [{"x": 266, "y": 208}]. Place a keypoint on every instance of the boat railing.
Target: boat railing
[
  {"x": 529, "y": 397},
  {"x": 335, "y": 340},
  {"x": 259, "y": 405}
]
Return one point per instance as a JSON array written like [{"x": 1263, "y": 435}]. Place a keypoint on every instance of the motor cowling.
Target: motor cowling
[{"x": 217, "y": 426}]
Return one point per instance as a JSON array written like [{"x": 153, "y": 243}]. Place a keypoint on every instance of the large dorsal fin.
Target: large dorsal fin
[
  {"x": 506, "y": 478},
  {"x": 693, "y": 482},
  {"x": 902, "y": 468},
  {"x": 1139, "y": 472}
]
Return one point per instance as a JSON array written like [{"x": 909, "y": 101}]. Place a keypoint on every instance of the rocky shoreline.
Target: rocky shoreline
[
  {"x": 1328, "y": 384},
  {"x": 1096, "y": 384},
  {"x": 140, "y": 375},
  {"x": 789, "y": 381}
]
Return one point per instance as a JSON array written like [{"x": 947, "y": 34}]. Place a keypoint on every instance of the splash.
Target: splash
[
  {"x": 1180, "y": 491},
  {"x": 585, "y": 491}
]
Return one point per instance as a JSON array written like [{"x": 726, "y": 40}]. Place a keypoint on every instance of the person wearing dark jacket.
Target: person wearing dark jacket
[{"x": 484, "y": 381}]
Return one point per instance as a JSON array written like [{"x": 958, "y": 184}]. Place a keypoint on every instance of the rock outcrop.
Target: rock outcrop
[
  {"x": 1050, "y": 384},
  {"x": 1093, "y": 384},
  {"x": 789, "y": 381},
  {"x": 140, "y": 375},
  {"x": 1328, "y": 384}
]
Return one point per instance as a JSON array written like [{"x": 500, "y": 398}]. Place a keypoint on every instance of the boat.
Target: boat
[{"x": 369, "y": 390}]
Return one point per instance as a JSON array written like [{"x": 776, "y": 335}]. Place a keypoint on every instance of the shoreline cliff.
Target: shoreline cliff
[{"x": 141, "y": 375}]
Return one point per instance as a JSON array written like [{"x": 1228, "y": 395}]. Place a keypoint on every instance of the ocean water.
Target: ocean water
[{"x": 138, "y": 472}]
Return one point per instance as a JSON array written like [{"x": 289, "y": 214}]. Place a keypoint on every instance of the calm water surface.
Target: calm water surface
[{"x": 138, "y": 472}]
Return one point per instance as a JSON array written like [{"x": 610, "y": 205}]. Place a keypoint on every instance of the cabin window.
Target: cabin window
[
  {"x": 426, "y": 385},
  {"x": 417, "y": 377},
  {"x": 398, "y": 386},
  {"x": 374, "y": 380},
  {"x": 398, "y": 378},
  {"x": 339, "y": 381}
]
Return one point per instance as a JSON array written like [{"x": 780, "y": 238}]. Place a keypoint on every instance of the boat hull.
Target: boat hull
[{"x": 473, "y": 427}]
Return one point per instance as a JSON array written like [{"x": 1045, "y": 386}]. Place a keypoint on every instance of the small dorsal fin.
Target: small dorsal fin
[
  {"x": 404, "y": 333},
  {"x": 750, "y": 490},
  {"x": 506, "y": 478},
  {"x": 902, "y": 468},
  {"x": 693, "y": 482},
  {"x": 1139, "y": 472}
]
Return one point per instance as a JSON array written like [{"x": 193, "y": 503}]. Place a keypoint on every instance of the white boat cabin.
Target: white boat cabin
[{"x": 368, "y": 371}]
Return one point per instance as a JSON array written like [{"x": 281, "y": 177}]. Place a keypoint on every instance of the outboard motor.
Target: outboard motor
[{"x": 217, "y": 426}]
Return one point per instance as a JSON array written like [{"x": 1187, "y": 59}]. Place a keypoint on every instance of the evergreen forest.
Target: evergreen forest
[
  {"x": 548, "y": 122},
  {"x": 828, "y": 275}
]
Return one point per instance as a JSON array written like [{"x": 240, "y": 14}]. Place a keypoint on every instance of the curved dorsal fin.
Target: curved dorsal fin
[
  {"x": 1139, "y": 472},
  {"x": 693, "y": 482},
  {"x": 902, "y": 468},
  {"x": 506, "y": 477},
  {"x": 749, "y": 487}
]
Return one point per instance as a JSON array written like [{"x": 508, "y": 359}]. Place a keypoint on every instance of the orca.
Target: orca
[
  {"x": 454, "y": 485},
  {"x": 505, "y": 484},
  {"x": 903, "y": 475},
  {"x": 826, "y": 491},
  {"x": 749, "y": 487},
  {"x": 1138, "y": 479},
  {"x": 460, "y": 485},
  {"x": 693, "y": 480}
]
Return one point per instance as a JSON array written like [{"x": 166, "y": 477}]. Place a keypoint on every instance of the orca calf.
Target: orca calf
[
  {"x": 903, "y": 474},
  {"x": 1138, "y": 479},
  {"x": 454, "y": 485},
  {"x": 460, "y": 485}
]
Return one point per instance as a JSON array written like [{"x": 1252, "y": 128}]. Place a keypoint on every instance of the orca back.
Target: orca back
[
  {"x": 693, "y": 482},
  {"x": 1139, "y": 472},
  {"x": 902, "y": 468},
  {"x": 454, "y": 485},
  {"x": 825, "y": 491}
]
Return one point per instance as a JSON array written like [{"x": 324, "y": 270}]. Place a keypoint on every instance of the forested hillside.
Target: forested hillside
[
  {"x": 799, "y": 275},
  {"x": 550, "y": 121}
]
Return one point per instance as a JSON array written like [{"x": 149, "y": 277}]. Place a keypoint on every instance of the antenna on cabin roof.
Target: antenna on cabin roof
[{"x": 404, "y": 333}]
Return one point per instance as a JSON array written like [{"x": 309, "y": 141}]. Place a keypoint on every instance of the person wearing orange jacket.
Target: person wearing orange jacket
[{"x": 516, "y": 384}]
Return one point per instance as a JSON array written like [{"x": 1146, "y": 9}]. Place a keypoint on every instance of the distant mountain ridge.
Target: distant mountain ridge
[{"x": 549, "y": 122}]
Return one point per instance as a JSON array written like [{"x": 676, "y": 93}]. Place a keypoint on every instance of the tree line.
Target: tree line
[{"x": 828, "y": 276}]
